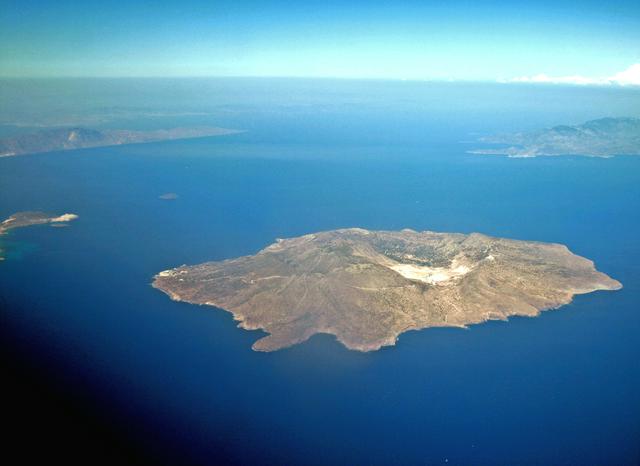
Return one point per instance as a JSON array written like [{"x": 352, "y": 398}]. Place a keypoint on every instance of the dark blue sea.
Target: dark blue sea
[{"x": 562, "y": 388}]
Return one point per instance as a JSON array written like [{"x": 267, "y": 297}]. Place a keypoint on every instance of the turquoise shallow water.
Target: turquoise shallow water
[{"x": 558, "y": 389}]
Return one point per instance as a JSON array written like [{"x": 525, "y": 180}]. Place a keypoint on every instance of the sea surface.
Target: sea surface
[{"x": 562, "y": 388}]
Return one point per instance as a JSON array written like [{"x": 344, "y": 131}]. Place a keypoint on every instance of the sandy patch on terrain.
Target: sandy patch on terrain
[
  {"x": 64, "y": 218},
  {"x": 431, "y": 275}
]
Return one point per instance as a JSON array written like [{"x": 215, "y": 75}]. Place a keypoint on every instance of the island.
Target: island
[
  {"x": 367, "y": 287},
  {"x": 168, "y": 196},
  {"x": 605, "y": 137},
  {"x": 60, "y": 139},
  {"x": 25, "y": 219}
]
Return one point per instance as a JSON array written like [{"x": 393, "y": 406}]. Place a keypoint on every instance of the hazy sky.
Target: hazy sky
[{"x": 475, "y": 40}]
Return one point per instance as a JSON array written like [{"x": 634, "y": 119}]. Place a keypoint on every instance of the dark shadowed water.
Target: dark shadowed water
[{"x": 558, "y": 389}]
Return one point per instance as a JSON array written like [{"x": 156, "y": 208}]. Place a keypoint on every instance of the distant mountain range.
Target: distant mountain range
[
  {"x": 58, "y": 139},
  {"x": 605, "y": 137}
]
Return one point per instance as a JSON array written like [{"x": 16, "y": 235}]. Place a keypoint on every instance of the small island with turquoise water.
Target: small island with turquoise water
[
  {"x": 28, "y": 218},
  {"x": 368, "y": 287}
]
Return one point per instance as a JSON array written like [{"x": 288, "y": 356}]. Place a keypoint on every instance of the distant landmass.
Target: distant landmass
[
  {"x": 605, "y": 137},
  {"x": 368, "y": 287},
  {"x": 58, "y": 139},
  {"x": 25, "y": 219}
]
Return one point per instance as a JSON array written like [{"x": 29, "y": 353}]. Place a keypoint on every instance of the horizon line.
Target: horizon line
[{"x": 328, "y": 78}]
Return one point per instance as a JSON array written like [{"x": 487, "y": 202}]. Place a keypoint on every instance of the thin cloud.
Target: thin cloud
[{"x": 628, "y": 77}]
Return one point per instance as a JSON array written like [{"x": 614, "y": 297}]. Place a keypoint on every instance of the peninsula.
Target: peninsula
[
  {"x": 25, "y": 219},
  {"x": 59, "y": 139},
  {"x": 368, "y": 287},
  {"x": 605, "y": 137}
]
